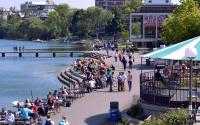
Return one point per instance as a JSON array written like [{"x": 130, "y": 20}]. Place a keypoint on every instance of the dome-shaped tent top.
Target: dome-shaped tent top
[{"x": 176, "y": 51}]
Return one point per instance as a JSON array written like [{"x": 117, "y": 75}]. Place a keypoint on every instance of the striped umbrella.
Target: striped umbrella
[{"x": 176, "y": 51}]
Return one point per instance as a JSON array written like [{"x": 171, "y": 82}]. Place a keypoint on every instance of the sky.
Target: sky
[{"x": 72, "y": 3}]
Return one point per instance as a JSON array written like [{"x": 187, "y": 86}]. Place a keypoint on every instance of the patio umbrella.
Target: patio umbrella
[{"x": 176, "y": 51}]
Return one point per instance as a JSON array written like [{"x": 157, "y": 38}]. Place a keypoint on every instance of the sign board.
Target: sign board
[{"x": 150, "y": 20}]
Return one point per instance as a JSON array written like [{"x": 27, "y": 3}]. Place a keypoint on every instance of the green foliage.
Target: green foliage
[
  {"x": 183, "y": 24},
  {"x": 175, "y": 117},
  {"x": 116, "y": 25},
  {"x": 136, "y": 29},
  {"x": 85, "y": 22},
  {"x": 3, "y": 28},
  {"x": 131, "y": 6},
  {"x": 65, "y": 21},
  {"x": 53, "y": 24},
  {"x": 98, "y": 17},
  {"x": 80, "y": 24},
  {"x": 63, "y": 13},
  {"x": 125, "y": 35},
  {"x": 32, "y": 28},
  {"x": 172, "y": 117},
  {"x": 12, "y": 28}
]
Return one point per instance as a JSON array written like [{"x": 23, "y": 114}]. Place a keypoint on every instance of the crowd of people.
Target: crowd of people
[
  {"x": 97, "y": 73},
  {"x": 33, "y": 111}
]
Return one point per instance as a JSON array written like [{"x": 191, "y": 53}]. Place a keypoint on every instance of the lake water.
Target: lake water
[{"x": 20, "y": 76}]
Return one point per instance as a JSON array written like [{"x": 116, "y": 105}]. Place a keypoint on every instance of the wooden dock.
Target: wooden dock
[{"x": 36, "y": 53}]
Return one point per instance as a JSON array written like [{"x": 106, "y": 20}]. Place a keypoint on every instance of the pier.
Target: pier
[{"x": 37, "y": 53}]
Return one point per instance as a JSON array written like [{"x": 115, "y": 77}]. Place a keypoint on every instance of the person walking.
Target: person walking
[
  {"x": 107, "y": 50},
  {"x": 129, "y": 79},
  {"x": 130, "y": 55},
  {"x": 130, "y": 64},
  {"x": 115, "y": 56},
  {"x": 124, "y": 62}
]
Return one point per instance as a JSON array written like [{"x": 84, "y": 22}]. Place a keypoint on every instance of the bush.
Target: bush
[
  {"x": 153, "y": 121},
  {"x": 175, "y": 117},
  {"x": 172, "y": 117}
]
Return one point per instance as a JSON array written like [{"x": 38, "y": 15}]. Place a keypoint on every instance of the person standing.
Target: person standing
[
  {"x": 129, "y": 79},
  {"x": 123, "y": 78},
  {"x": 110, "y": 81},
  {"x": 119, "y": 82}
]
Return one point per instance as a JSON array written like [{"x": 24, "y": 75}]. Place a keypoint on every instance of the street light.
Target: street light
[{"x": 190, "y": 53}]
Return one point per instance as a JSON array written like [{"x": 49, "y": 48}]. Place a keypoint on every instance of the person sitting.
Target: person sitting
[
  {"x": 10, "y": 118},
  {"x": 55, "y": 94},
  {"x": 33, "y": 107},
  {"x": 28, "y": 102},
  {"x": 26, "y": 113},
  {"x": 48, "y": 121},
  {"x": 64, "y": 121},
  {"x": 3, "y": 113},
  {"x": 158, "y": 76},
  {"x": 51, "y": 102}
]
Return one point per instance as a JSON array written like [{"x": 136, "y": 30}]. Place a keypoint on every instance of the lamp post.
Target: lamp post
[{"x": 190, "y": 53}]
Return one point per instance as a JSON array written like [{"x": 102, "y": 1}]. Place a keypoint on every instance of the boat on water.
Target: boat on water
[{"x": 39, "y": 40}]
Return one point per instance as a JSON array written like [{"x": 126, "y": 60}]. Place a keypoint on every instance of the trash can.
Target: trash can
[{"x": 114, "y": 112}]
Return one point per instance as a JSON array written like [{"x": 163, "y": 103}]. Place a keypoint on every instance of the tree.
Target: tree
[
  {"x": 125, "y": 35},
  {"x": 80, "y": 24},
  {"x": 116, "y": 25},
  {"x": 3, "y": 28},
  {"x": 136, "y": 29},
  {"x": 12, "y": 27},
  {"x": 132, "y": 6},
  {"x": 183, "y": 24},
  {"x": 98, "y": 17},
  {"x": 53, "y": 24},
  {"x": 32, "y": 28},
  {"x": 63, "y": 12}
]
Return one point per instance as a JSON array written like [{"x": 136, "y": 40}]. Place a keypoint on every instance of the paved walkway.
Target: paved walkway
[{"x": 94, "y": 107}]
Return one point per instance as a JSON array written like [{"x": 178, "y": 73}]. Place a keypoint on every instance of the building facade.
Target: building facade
[
  {"x": 109, "y": 4},
  {"x": 145, "y": 25},
  {"x": 38, "y": 9}
]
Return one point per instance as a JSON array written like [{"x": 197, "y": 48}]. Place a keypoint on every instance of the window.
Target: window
[
  {"x": 150, "y": 1},
  {"x": 166, "y": 1}
]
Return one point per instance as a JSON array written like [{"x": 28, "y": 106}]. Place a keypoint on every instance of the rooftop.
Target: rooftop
[{"x": 156, "y": 8}]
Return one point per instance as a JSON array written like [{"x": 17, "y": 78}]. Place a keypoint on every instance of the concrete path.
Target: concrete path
[{"x": 94, "y": 107}]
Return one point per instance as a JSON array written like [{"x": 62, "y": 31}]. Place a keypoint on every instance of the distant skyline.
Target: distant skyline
[{"x": 73, "y": 3}]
